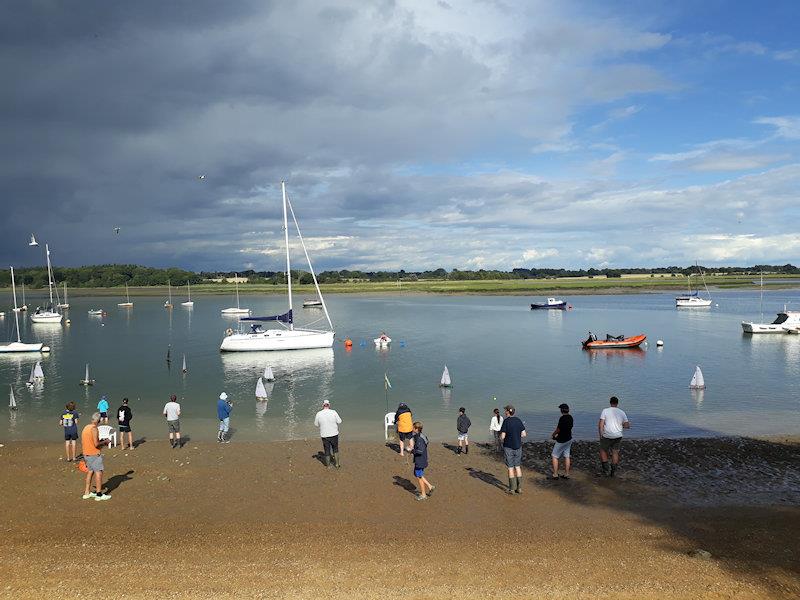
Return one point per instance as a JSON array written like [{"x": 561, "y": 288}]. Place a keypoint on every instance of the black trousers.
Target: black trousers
[{"x": 330, "y": 445}]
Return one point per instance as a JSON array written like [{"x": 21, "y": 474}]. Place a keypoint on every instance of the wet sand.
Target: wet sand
[{"x": 267, "y": 520}]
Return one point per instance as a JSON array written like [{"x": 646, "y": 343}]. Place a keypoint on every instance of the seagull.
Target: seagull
[
  {"x": 33, "y": 241},
  {"x": 116, "y": 230},
  {"x": 201, "y": 176}
]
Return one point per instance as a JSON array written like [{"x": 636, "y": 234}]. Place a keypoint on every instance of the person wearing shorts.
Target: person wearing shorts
[
  {"x": 511, "y": 433},
  {"x": 613, "y": 421},
  {"x": 404, "y": 422},
  {"x": 90, "y": 446},
  {"x": 563, "y": 437},
  {"x": 224, "y": 415},
  {"x": 172, "y": 411},
  {"x": 462, "y": 426},
  {"x": 419, "y": 447},
  {"x": 69, "y": 421},
  {"x": 102, "y": 406},
  {"x": 124, "y": 418}
]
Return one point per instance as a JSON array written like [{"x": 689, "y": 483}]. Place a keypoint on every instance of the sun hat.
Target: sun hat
[
  {"x": 326, "y": 403},
  {"x": 223, "y": 396}
]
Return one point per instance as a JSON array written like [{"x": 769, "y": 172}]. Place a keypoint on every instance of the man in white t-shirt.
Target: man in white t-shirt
[
  {"x": 328, "y": 421},
  {"x": 172, "y": 411},
  {"x": 612, "y": 422}
]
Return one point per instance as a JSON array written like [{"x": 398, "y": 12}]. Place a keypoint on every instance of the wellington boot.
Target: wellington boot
[
  {"x": 466, "y": 449},
  {"x": 336, "y": 462}
]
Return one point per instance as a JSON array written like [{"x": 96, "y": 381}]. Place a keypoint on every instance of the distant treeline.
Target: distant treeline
[{"x": 97, "y": 276}]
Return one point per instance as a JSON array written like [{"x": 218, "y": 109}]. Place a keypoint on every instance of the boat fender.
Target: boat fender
[
  {"x": 659, "y": 343},
  {"x": 229, "y": 332}
]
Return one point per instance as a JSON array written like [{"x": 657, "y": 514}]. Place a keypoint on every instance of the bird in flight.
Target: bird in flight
[
  {"x": 33, "y": 241},
  {"x": 201, "y": 176},
  {"x": 116, "y": 230}
]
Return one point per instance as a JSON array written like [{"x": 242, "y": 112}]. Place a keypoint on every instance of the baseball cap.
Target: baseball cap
[
  {"x": 563, "y": 406},
  {"x": 223, "y": 396}
]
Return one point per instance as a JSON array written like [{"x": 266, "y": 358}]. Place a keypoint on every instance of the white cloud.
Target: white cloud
[
  {"x": 534, "y": 254},
  {"x": 787, "y": 127}
]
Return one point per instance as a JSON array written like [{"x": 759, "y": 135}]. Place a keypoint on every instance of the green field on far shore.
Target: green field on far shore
[{"x": 629, "y": 284}]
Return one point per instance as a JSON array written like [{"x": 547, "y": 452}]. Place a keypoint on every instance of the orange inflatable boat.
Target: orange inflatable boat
[{"x": 592, "y": 343}]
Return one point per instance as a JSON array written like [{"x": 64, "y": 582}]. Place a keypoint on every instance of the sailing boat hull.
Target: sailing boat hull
[
  {"x": 692, "y": 302},
  {"x": 277, "y": 339},
  {"x": 46, "y": 317},
  {"x": 22, "y": 347}
]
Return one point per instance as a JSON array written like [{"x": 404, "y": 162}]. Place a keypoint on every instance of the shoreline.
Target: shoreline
[{"x": 268, "y": 520}]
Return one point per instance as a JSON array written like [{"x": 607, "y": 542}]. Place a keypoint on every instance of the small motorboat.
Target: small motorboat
[
  {"x": 312, "y": 303},
  {"x": 382, "y": 340},
  {"x": 551, "y": 303},
  {"x": 95, "y": 312},
  {"x": 612, "y": 341}
]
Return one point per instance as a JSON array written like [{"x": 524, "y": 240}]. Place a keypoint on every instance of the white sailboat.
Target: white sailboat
[
  {"x": 22, "y": 307},
  {"x": 697, "y": 382},
  {"x": 184, "y": 369},
  {"x": 445, "y": 381},
  {"x": 12, "y": 402},
  {"x": 127, "y": 303},
  {"x": 189, "y": 302},
  {"x": 65, "y": 303},
  {"x": 18, "y": 346},
  {"x": 237, "y": 310},
  {"x": 268, "y": 374},
  {"x": 38, "y": 374},
  {"x": 48, "y": 314},
  {"x": 289, "y": 337},
  {"x": 261, "y": 391},
  {"x": 31, "y": 379},
  {"x": 785, "y": 320},
  {"x": 168, "y": 303},
  {"x": 86, "y": 379},
  {"x": 692, "y": 299}
]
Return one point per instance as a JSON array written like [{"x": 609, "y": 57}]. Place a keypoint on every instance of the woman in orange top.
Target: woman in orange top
[
  {"x": 404, "y": 422},
  {"x": 90, "y": 445}
]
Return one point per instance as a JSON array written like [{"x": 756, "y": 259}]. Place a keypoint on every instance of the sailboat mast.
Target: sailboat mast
[
  {"x": 189, "y": 287},
  {"x": 16, "y": 312},
  {"x": 286, "y": 241},
  {"x": 236, "y": 283},
  {"x": 49, "y": 273},
  {"x": 761, "y": 298}
]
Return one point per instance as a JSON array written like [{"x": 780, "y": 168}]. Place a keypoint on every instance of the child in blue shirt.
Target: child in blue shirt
[{"x": 102, "y": 408}]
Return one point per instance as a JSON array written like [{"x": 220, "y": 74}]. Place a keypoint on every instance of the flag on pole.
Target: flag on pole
[{"x": 386, "y": 383}]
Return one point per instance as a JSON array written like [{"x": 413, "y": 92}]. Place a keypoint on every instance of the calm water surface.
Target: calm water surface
[{"x": 495, "y": 347}]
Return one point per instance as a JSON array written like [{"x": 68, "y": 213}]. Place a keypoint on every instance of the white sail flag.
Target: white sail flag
[
  {"x": 261, "y": 391},
  {"x": 268, "y": 374},
  {"x": 37, "y": 371},
  {"x": 184, "y": 369},
  {"x": 12, "y": 402},
  {"x": 445, "y": 382},
  {"x": 387, "y": 385},
  {"x": 697, "y": 383}
]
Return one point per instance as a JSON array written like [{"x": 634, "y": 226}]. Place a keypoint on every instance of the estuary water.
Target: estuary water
[{"x": 498, "y": 351}]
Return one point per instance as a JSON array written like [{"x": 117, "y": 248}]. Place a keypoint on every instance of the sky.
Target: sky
[{"x": 411, "y": 134}]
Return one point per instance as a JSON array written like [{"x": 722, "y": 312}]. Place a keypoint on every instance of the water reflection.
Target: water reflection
[
  {"x": 595, "y": 354},
  {"x": 447, "y": 396},
  {"x": 697, "y": 397}
]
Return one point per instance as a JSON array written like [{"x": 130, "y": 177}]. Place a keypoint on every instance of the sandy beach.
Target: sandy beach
[{"x": 267, "y": 520}]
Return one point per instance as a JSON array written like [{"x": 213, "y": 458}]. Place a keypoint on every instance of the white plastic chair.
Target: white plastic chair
[
  {"x": 388, "y": 421},
  {"x": 105, "y": 432}
]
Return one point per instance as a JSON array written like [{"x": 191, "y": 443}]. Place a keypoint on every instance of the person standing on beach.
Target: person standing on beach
[
  {"x": 69, "y": 421},
  {"x": 224, "y": 415},
  {"x": 404, "y": 422},
  {"x": 124, "y": 418},
  {"x": 494, "y": 426},
  {"x": 462, "y": 426},
  {"x": 613, "y": 421},
  {"x": 328, "y": 421},
  {"x": 90, "y": 446},
  {"x": 102, "y": 407},
  {"x": 511, "y": 432},
  {"x": 419, "y": 447},
  {"x": 563, "y": 437},
  {"x": 172, "y": 411}
]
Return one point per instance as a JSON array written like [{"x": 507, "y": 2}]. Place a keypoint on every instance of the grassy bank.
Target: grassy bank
[{"x": 539, "y": 287}]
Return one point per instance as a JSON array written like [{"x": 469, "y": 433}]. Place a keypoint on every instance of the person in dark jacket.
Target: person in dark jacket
[
  {"x": 419, "y": 447},
  {"x": 124, "y": 418},
  {"x": 404, "y": 423},
  {"x": 462, "y": 425}
]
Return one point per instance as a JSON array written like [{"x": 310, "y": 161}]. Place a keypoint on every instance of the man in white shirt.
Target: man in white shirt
[
  {"x": 612, "y": 422},
  {"x": 172, "y": 411},
  {"x": 328, "y": 421}
]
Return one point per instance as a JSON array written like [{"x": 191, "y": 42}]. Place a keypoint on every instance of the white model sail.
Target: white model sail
[
  {"x": 184, "y": 369},
  {"x": 445, "y": 382},
  {"x": 189, "y": 291},
  {"x": 268, "y": 374},
  {"x": 86, "y": 380},
  {"x": 697, "y": 383},
  {"x": 12, "y": 402},
  {"x": 32, "y": 376},
  {"x": 37, "y": 371},
  {"x": 261, "y": 391}
]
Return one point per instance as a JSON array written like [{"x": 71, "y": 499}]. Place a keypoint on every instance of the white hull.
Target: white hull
[
  {"x": 63, "y": 306},
  {"x": 693, "y": 302},
  {"x": 188, "y": 304},
  {"x": 235, "y": 311},
  {"x": 46, "y": 317},
  {"x": 277, "y": 339},
  {"x": 762, "y": 328},
  {"x": 22, "y": 347},
  {"x": 125, "y": 304},
  {"x": 382, "y": 341}
]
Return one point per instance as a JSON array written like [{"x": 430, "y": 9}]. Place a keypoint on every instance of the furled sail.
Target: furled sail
[{"x": 284, "y": 318}]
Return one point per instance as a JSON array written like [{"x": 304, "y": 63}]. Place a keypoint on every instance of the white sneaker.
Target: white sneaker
[
  {"x": 102, "y": 497},
  {"x": 87, "y": 496}
]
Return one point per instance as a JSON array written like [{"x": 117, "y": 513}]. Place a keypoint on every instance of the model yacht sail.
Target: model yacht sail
[
  {"x": 445, "y": 381},
  {"x": 237, "y": 310},
  {"x": 189, "y": 302},
  {"x": 261, "y": 391},
  {"x": 289, "y": 337},
  {"x": 49, "y": 314},
  {"x": 86, "y": 379},
  {"x": 268, "y": 374},
  {"x": 65, "y": 303},
  {"x": 127, "y": 303},
  {"x": 697, "y": 382},
  {"x": 168, "y": 303},
  {"x": 22, "y": 307},
  {"x": 18, "y": 346},
  {"x": 12, "y": 402},
  {"x": 692, "y": 299}
]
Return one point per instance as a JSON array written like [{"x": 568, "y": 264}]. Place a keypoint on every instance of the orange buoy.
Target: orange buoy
[{"x": 348, "y": 343}]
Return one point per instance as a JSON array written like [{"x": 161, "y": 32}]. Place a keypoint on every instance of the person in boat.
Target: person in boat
[
  {"x": 404, "y": 422},
  {"x": 590, "y": 339},
  {"x": 614, "y": 338},
  {"x": 383, "y": 337}
]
